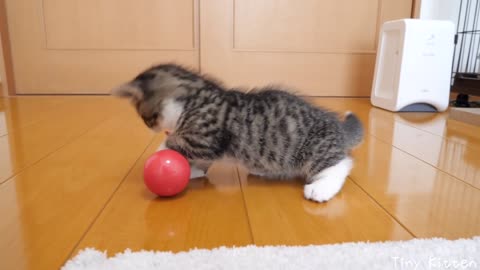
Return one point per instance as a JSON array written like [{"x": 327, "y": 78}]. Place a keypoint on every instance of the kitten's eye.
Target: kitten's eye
[
  {"x": 145, "y": 77},
  {"x": 155, "y": 115}
]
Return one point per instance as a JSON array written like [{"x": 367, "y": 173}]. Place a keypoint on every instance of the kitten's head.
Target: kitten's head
[{"x": 150, "y": 92}]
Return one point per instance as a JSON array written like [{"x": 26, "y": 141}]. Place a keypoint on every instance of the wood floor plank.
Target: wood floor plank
[
  {"x": 435, "y": 123},
  {"x": 28, "y": 144},
  {"x": 210, "y": 213},
  {"x": 407, "y": 153},
  {"x": 439, "y": 124},
  {"x": 455, "y": 152},
  {"x": 457, "y": 159},
  {"x": 429, "y": 202},
  {"x": 279, "y": 215},
  {"x": 24, "y": 110},
  {"x": 58, "y": 204},
  {"x": 46, "y": 208}
]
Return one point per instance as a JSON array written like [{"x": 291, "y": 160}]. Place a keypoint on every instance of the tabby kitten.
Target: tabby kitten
[{"x": 273, "y": 133}]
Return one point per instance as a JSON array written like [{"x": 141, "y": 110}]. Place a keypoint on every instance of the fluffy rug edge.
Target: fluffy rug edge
[{"x": 417, "y": 253}]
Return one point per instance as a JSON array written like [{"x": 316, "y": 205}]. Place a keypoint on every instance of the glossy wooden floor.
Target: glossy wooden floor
[{"x": 71, "y": 178}]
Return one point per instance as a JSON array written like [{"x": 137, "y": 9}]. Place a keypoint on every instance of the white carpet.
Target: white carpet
[{"x": 412, "y": 254}]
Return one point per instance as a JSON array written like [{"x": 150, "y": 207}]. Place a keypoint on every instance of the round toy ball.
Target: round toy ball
[{"x": 166, "y": 173}]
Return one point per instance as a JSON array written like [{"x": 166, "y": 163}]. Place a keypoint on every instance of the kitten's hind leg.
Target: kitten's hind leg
[{"x": 327, "y": 183}]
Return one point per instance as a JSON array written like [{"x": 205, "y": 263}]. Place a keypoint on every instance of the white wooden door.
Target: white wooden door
[{"x": 88, "y": 46}]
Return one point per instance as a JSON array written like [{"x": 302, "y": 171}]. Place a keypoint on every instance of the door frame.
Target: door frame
[
  {"x": 6, "y": 63},
  {"x": 416, "y": 5}
]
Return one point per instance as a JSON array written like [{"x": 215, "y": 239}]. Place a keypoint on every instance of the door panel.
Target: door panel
[
  {"x": 113, "y": 24},
  {"x": 89, "y": 46},
  {"x": 317, "y": 48},
  {"x": 305, "y": 26}
]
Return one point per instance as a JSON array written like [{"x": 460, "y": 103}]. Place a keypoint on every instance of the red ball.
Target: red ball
[{"x": 166, "y": 173}]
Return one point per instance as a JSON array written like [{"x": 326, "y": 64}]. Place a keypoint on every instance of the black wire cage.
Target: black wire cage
[{"x": 466, "y": 62}]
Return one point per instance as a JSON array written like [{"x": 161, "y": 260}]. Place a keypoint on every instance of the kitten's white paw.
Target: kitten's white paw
[
  {"x": 320, "y": 191},
  {"x": 328, "y": 182},
  {"x": 162, "y": 146},
  {"x": 196, "y": 173}
]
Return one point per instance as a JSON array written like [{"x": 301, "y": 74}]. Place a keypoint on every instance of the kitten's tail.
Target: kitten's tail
[{"x": 353, "y": 130}]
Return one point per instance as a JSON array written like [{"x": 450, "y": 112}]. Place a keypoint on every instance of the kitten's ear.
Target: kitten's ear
[{"x": 128, "y": 91}]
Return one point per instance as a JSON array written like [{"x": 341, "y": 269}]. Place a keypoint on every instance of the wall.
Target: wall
[{"x": 440, "y": 10}]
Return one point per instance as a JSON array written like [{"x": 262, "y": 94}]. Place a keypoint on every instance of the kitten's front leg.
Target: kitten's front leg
[
  {"x": 162, "y": 146},
  {"x": 198, "y": 168}
]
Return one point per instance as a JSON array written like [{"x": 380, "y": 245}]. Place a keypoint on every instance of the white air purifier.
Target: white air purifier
[{"x": 413, "y": 65}]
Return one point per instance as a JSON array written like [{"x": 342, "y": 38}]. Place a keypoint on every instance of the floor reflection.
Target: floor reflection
[
  {"x": 428, "y": 201},
  {"x": 408, "y": 132},
  {"x": 6, "y": 162}
]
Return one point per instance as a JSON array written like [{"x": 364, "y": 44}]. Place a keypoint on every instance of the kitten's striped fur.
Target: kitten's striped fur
[{"x": 272, "y": 132}]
